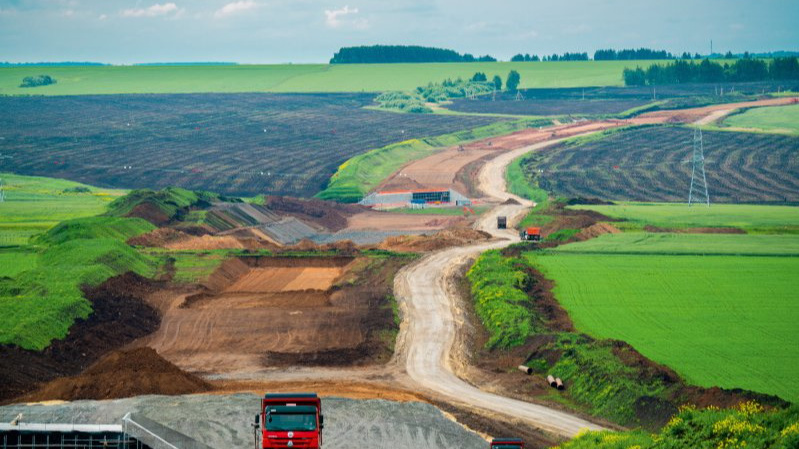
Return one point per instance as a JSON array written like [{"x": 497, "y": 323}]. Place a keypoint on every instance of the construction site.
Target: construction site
[{"x": 362, "y": 307}]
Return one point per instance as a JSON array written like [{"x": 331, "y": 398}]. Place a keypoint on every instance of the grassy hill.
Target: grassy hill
[
  {"x": 34, "y": 204},
  {"x": 302, "y": 77}
]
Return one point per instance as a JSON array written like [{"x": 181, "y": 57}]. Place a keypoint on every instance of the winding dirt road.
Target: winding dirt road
[{"x": 427, "y": 342}]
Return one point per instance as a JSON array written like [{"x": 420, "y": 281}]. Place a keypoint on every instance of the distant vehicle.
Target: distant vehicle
[
  {"x": 502, "y": 222},
  {"x": 290, "y": 420},
  {"x": 507, "y": 443},
  {"x": 533, "y": 234}
]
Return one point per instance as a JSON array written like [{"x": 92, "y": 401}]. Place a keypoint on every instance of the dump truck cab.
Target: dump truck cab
[
  {"x": 502, "y": 222},
  {"x": 507, "y": 443},
  {"x": 533, "y": 234},
  {"x": 291, "y": 420}
]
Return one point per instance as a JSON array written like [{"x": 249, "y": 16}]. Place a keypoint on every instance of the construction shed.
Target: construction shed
[{"x": 403, "y": 198}]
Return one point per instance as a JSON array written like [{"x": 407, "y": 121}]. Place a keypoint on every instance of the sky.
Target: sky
[{"x": 310, "y": 31}]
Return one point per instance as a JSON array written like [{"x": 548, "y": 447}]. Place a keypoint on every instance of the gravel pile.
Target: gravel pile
[{"x": 223, "y": 421}]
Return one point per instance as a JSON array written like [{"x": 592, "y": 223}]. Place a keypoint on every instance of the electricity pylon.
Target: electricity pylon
[{"x": 698, "y": 162}]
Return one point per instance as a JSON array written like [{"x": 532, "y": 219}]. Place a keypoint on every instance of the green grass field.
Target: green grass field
[
  {"x": 302, "y": 77},
  {"x": 752, "y": 218},
  {"x": 688, "y": 244},
  {"x": 776, "y": 119},
  {"x": 35, "y": 204},
  {"x": 721, "y": 320},
  {"x": 16, "y": 260}
]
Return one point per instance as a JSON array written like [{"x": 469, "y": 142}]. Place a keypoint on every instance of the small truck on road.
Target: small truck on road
[
  {"x": 507, "y": 443},
  {"x": 290, "y": 420},
  {"x": 532, "y": 234}
]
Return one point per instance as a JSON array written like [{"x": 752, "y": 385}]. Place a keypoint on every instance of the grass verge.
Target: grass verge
[{"x": 747, "y": 425}]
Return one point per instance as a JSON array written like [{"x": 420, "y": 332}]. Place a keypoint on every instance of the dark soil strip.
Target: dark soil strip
[{"x": 120, "y": 316}]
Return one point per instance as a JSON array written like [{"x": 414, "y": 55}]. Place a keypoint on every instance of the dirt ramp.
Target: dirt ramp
[
  {"x": 257, "y": 313},
  {"x": 122, "y": 374}
]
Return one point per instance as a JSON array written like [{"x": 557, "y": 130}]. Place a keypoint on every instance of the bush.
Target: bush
[
  {"x": 744, "y": 426},
  {"x": 36, "y": 81}
]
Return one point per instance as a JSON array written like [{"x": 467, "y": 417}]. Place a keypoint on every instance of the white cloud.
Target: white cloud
[
  {"x": 235, "y": 8},
  {"x": 102, "y": 17},
  {"x": 337, "y": 18},
  {"x": 736, "y": 26},
  {"x": 152, "y": 11}
]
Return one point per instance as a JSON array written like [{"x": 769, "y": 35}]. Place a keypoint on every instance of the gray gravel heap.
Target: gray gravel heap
[{"x": 223, "y": 421}]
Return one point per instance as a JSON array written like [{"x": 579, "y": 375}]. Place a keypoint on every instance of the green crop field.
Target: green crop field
[
  {"x": 752, "y": 218},
  {"x": 302, "y": 77},
  {"x": 688, "y": 244},
  {"x": 720, "y": 320},
  {"x": 777, "y": 119},
  {"x": 34, "y": 204}
]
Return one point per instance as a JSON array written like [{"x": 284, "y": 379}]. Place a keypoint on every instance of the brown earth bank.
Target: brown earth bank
[
  {"x": 122, "y": 374},
  {"x": 120, "y": 316},
  {"x": 261, "y": 313},
  {"x": 440, "y": 240},
  {"x": 330, "y": 215}
]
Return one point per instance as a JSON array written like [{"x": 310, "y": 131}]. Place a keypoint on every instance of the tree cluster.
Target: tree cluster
[
  {"x": 525, "y": 58},
  {"x": 631, "y": 54},
  {"x": 36, "y": 81},
  {"x": 377, "y": 54},
  {"x": 744, "y": 69},
  {"x": 567, "y": 57}
]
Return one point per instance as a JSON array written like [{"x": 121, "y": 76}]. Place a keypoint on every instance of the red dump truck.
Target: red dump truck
[
  {"x": 290, "y": 420},
  {"x": 507, "y": 443},
  {"x": 533, "y": 234}
]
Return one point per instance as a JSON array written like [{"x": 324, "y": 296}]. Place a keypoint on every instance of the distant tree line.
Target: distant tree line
[
  {"x": 707, "y": 71},
  {"x": 417, "y": 100},
  {"x": 553, "y": 57},
  {"x": 375, "y": 54},
  {"x": 36, "y": 81},
  {"x": 631, "y": 54},
  {"x": 49, "y": 64}
]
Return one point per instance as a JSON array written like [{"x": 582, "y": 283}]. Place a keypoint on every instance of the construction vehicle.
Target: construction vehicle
[
  {"x": 533, "y": 234},
  {"x": 507, "y": 443},
  {"x": 290, "y": 420},
  {"x": 502, "y": 222}
]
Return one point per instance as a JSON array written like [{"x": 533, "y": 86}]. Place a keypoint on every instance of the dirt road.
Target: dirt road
[{"x": 428, "y": 344}]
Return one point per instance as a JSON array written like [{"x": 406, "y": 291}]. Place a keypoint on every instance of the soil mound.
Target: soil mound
[
  {"x": 159, "y": 238},
  {"x": 439, "y": 240},
  {"x": 332, "y": 216},
  {"x": 595, "y": 230},
  {"x": 120, "y": 316},
  {"x": 510, "y": 201},
  {"x": 123, "y": 374}
]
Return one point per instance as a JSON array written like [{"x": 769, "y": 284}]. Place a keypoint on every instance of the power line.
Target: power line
[{"x": 698, "y": 160}]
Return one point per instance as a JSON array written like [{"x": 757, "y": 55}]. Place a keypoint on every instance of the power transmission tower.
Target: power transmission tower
[
  {"x": 698, "y": 162},
  {"x": 519, "y": 96}
]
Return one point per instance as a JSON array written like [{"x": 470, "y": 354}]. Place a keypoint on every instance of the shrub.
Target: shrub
[{"x": 36, "y": 81}]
